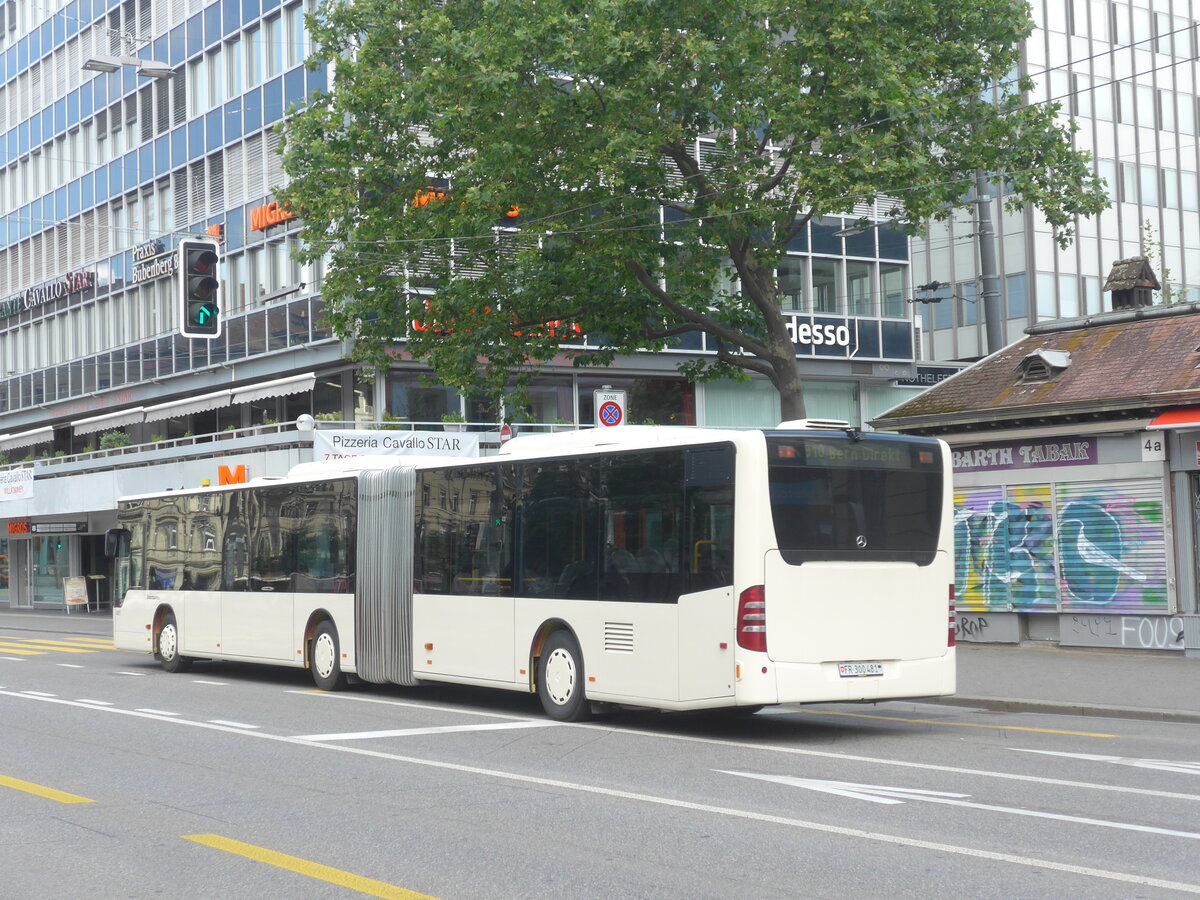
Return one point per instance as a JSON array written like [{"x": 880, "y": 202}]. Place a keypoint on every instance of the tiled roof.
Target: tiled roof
[{"x": 1136, "y": 359}]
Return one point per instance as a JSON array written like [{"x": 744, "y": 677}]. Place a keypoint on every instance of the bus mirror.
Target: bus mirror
[{"x": 116, "y": 542}]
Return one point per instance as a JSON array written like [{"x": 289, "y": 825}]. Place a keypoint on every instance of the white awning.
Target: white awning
[
  {"x": 188, "y": 405},
  {"x": 26, "y": 438},
  {"x": 118, "y": 419},
  {"x": 280, "y": 387}
]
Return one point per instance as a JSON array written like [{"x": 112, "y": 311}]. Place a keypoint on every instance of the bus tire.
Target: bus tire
[
  {"x": 168, "y": 647},
  {"x": 324, "y": 658},
  {"x": 560, "y": 682}
]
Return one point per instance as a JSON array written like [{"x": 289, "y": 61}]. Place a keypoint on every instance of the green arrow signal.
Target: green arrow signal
[{"x": 203, "y": 315}]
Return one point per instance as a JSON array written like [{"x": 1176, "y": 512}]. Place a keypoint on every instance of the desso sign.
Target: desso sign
[{"x": 818, "y": 334}]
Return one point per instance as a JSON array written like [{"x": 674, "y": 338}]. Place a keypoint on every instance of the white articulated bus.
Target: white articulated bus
[{"x": 676, "y": 568}]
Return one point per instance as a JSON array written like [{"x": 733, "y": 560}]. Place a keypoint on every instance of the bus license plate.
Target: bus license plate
[{"x": 860, "y": 669}]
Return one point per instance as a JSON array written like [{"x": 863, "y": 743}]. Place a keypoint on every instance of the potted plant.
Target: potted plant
[
  {"x": 455, "y": 421},
  {"x": 111, "y": 440}
]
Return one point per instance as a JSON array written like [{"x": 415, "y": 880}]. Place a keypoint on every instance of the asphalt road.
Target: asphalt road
[{"x": 118, "y": 780}]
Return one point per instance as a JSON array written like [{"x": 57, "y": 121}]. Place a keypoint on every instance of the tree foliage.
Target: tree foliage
[{"x": 661, "y": 154}]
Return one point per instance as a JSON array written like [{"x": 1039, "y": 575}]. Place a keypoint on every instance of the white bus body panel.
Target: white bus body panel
[
  {"x": 669, "y": 655},
  {"x": 471, "y": 637},
  {"x": 223, "y": 625}
]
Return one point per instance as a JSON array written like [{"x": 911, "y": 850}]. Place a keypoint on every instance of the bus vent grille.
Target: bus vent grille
[{"x": 618, "y": 637}]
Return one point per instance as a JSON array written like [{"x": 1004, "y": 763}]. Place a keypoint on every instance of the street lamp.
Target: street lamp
[{"x": 147, "y": 68}]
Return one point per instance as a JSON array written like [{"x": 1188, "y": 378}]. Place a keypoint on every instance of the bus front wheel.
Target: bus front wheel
[
  {"x": 168, "y": 646},
  {"x": 560, "y": 679},
  {"x": 324, "y": 658}
]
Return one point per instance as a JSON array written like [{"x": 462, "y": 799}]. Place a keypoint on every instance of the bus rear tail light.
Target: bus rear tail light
[
  {"x": 752, "y": 619},
  {"x": 953, "y": 622}
]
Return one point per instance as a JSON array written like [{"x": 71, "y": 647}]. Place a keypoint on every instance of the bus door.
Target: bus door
[{"x": 706, "y": 606}]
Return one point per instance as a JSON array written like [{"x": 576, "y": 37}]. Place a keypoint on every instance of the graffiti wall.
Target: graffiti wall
[{"x": 1069, "y": 547}]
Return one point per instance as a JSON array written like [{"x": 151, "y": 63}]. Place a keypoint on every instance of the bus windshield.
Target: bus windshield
[{"x": 860, "y": 498}]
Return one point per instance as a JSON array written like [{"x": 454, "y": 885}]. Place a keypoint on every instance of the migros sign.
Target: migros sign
[{"x": 273, "y": 213}]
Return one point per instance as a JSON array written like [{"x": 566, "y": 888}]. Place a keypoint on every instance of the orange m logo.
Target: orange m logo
[{"x": 237, "y": 476}]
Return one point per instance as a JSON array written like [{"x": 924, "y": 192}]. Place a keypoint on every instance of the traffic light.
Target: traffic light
[{"x": 199, "y": 289}]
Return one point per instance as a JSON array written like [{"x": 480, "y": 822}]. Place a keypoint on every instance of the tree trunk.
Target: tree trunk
[{"x": 791, "y": 393}]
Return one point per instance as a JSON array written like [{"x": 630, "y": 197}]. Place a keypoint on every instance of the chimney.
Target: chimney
[{"x": 1132, "y": 283}]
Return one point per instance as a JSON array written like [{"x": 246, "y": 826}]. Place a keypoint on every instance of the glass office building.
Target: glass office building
[{"x": 1125, "y": 73}]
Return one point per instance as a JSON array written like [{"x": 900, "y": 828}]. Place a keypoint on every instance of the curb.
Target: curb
[{"x": 1088, "y": 710}]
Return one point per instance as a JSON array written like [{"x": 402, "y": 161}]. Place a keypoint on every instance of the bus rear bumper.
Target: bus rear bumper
[{"x": 824, "y": 682}]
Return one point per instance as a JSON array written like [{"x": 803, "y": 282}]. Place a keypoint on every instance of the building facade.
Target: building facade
[
  {"x": 1125, "y": 73},
  {"x": 1075, "y": 482},
  {"x": 128, "y": 125}
]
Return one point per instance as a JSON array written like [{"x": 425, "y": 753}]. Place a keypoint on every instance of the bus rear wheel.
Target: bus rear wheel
[
  {"x": 560, "y": 679},
  {"x": 324, "y": 658},
  {"x": 168, "y": 647}
]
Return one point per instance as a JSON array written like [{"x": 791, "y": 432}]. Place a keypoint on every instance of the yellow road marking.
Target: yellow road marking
[
  {"x": 815, "y": 712},
  {"x": 48, "y": 643},
  {"x": 71, "y": 642},
  {"x": 8, "y": 648},
  {"x": 304, "y": 867},
  {"x": 43, "y": 647},
  {"x": 49, "y": 793}
]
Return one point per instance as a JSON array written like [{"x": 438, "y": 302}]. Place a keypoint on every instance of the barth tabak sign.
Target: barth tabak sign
[{"x": 1025, "y": 455}]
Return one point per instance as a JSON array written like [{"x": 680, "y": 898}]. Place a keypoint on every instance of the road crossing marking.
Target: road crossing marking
[
  {"x": 41, "y": 790},
  {"x": 1164, "y": 765},
  {"x": 882, "y": 794},
  {"x": 410, "y": 732},
  {"x": 320, "y": 872},
  {"x": 749, "y": 815}
]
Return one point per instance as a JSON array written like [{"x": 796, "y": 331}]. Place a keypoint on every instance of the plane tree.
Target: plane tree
[{"x": 490, "y": 180}]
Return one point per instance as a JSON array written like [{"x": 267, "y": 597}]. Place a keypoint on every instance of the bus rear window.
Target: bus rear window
[{"x": 874, "y": 498}]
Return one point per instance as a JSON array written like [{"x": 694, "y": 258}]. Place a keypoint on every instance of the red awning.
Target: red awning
[{"x": 1187, "y": 417}]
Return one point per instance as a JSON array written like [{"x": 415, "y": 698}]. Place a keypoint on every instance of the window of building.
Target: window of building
[
  {"x": 790, "y": 275},
  {"x": 825, "y": 285},
  {"x": 1016, "y": 292},
  {"x": 859, "y": 290},
  {"x": 891, "y": 289}
]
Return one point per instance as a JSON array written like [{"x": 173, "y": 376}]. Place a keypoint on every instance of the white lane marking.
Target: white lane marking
[
  {"x": 651, "y": 799},
  {"x": 69, "y": 666},
  {"x": 231, "y": 724},
  {"x": 159, "y": 712},
  {"x": 94, "y": 702},
  {"x": 1164, "y": 765},
  {"x": 882, "y": 794},
  {"x": 408, "y": 732},
  {"x": 217, "y": 683},
  {"x": 12, "y": 658},
  {"x": 39, "y": 694},
  {"x": 796, "y": 751},
  {"x": 129, "y": 673}
]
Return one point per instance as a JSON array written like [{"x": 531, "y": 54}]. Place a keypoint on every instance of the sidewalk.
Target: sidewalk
[
  {"x": 1043, "y": 677},
  {"x": 1033, "y": 677}
]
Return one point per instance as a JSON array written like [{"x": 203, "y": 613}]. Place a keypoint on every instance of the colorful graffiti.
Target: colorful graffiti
[{"x": 1027, "y": 548}]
